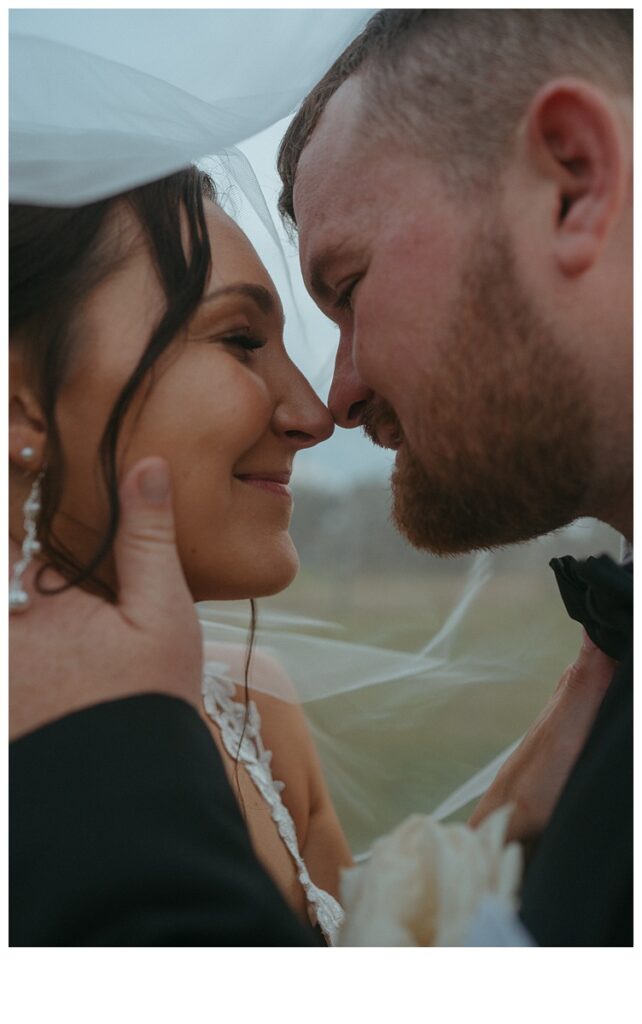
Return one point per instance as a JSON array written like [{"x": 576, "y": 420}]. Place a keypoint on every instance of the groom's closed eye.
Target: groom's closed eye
[{"x": 332, "y": 258}]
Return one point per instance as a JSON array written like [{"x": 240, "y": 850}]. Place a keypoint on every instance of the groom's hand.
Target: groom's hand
[
  {"x": 71, "y": 650},
  {"x": 533, "y": 777}
]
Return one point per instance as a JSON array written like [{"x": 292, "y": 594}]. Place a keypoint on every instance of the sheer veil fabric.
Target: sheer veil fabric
[{"x": 103, "y": 100}]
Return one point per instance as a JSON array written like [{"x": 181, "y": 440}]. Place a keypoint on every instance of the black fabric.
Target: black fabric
[
  {"x": 599, "y": 594},
  {"x": 124, "y": 832},
  {"x": 578, "y": 889}
]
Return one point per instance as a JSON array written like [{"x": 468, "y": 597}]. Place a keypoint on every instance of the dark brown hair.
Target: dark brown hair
[
  {"x": 453, "y": 84},
  {"x": 57, "y": 256}
]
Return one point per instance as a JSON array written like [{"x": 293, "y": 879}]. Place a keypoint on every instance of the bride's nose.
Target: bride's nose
[{"x": 301, "y": 416}]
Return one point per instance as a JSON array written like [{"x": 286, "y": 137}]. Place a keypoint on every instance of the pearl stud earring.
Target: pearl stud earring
[{"x": 27, "y": 453}]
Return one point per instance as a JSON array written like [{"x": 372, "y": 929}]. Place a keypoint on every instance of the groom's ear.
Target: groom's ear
[
  {"x": 27, "y": 424},
  {"x": 578, "y": 147}
]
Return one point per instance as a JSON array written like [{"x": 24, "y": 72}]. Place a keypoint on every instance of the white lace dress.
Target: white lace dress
[{"x": 230, "y": 717}]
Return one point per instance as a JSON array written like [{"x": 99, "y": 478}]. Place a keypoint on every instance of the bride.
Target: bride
[
  {"x": 123, "y": 345},
  {"x": 145, "y": 324}
]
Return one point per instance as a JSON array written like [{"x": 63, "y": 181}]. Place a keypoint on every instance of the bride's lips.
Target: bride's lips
[{"x": 273, "y": 483}]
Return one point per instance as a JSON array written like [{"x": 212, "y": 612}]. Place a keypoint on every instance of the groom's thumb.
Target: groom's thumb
[{"x": 150, "y": 576}]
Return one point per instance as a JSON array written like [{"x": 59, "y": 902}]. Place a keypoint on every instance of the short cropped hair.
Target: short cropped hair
[{"x": 454, "y": 84}]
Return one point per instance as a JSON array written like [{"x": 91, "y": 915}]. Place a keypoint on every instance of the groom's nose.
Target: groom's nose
[{"x": 348, "y": 394}]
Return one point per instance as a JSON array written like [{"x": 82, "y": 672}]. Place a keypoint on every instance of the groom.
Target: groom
[{"x": 461, "y": 182}]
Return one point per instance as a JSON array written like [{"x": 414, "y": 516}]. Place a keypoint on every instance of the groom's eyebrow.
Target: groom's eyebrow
[{"x": 260, "y": 295}]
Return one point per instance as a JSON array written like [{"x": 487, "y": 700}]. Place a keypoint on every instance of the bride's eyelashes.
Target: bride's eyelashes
[{"x": 242, "y": 344}]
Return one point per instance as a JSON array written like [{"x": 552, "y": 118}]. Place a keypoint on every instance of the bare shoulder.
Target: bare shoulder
[
  {"x": 284, "y": 729},
  {"x": 270, "y": 686},
  {"x": 295, "y": 761}
]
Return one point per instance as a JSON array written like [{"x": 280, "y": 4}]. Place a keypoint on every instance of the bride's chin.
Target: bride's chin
[{"x": 258, "y": 581}]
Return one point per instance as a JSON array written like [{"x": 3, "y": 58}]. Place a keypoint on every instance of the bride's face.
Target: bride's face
[{"x": 225, "y": 406}]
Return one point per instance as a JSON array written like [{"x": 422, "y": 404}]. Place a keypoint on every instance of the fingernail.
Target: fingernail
[{"x": 154, "y": 483}]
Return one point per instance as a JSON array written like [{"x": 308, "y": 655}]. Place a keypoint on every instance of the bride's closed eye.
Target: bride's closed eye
[{"x": 243, "y": 344}]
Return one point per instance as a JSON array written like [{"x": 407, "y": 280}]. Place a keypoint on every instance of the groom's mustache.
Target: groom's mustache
[{"x": 380, "y": 424}]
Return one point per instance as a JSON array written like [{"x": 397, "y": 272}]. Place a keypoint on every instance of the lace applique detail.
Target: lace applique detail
[{"x": 230, "y": 716}]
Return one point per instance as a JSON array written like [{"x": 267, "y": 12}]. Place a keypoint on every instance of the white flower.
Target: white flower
[{"x": 423, "y": 882}]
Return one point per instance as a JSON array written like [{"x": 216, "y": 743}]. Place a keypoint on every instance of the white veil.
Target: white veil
[{"x": 103, "y": 100}]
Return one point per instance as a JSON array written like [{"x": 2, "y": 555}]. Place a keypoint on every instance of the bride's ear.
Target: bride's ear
[{"x": 27, "y": 424}]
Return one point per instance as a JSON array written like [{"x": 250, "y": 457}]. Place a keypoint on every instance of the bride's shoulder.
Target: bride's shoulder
[
  {"x": 284, "y": 730},
  {"x": 295, "y": 762},
  {"x": 267, "y": 676}
]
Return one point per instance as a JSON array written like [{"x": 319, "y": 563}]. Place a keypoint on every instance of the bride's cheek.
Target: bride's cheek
[
  {"x": 83, "y": 494},
  {"x": 255, "y": 403}
]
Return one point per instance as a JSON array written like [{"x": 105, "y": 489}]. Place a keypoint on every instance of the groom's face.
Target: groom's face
[{"x": 443, "y": 354}]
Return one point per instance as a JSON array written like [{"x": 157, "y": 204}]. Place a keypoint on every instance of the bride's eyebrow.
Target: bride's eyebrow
[{"x": 260, "y": 295}]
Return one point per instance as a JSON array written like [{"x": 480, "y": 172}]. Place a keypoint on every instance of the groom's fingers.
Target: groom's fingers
[
  {"x": 580, "y": 693},
  {"x": 590, "y": 675},
  {"x": 150, "y": 577},
  {"x": 535, "y": 774}
]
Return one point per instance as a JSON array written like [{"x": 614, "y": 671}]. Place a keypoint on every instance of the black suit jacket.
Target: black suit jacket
[
  {"x": 578, "y": 889},
  {"x": 124, "y": 832}
]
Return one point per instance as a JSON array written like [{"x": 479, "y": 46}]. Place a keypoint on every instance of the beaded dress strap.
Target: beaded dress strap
[{"x": 240, "y": 728}]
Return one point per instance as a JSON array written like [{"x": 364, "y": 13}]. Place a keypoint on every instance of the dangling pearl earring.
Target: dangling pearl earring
[{"x": 19, "y": 599}]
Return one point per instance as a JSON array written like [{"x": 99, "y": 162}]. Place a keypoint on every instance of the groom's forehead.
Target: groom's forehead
[{"x": 334, "y": 146}]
